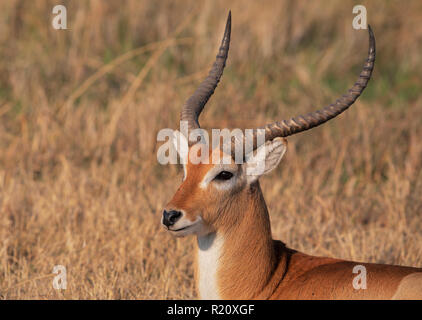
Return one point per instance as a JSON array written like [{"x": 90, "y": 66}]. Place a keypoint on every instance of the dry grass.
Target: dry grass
[{"x": 80, "y": 109}]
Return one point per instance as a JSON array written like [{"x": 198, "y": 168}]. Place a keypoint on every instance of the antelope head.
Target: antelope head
[{"x": 209, "y": 190}]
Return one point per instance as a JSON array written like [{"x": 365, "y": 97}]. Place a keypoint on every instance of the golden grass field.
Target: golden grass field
[{"x": 80, "y": 109}]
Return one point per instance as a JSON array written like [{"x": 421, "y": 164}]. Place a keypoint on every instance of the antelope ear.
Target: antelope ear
[
  {"x": 267, "y": 158},
  {"x": 180, "y": 143}
]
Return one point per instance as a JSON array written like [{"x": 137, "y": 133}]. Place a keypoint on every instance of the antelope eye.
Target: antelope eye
[{"x": 224, "y": 175}]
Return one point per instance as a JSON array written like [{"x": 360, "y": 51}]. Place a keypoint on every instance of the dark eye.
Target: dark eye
[{"x": 224, "y": 175}]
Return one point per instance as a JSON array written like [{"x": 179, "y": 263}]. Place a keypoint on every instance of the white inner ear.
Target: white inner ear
[
  {"x": 267, "y": 158},
  {"x": 180, "y": 143}
]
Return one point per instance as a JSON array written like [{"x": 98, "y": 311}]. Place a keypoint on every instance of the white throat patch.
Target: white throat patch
[{"x": 209, "y": 251}]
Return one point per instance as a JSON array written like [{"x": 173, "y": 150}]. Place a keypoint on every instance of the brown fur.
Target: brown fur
[
  {"x": 410, "y": 288},
  {"x": 254, "y": 266}
]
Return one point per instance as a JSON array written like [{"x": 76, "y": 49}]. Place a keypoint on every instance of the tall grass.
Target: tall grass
[{"x": 80, "y": 109}]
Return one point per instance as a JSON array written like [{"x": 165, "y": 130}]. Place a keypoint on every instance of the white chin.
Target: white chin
[
  {"x": 181, "y": 233},
  {"x": 195, "y": 228}
]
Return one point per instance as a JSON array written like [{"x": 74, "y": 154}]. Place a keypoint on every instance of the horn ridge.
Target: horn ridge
[
  {"x": 310, "y": 120},
  {"x": 196, "y": 103}
]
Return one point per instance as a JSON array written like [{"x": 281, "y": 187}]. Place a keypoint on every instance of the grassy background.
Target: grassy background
[{"x": 80, "y": 110}]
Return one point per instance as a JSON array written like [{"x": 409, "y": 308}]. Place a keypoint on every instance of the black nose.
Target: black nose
[{"x": 171, "y": 217}]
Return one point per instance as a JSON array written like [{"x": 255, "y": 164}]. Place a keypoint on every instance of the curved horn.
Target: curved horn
[
  {"x": 196, "y": 103},
  {"x": 310, "y": 120}
]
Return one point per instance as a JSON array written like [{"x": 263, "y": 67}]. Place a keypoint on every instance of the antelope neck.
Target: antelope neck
[{"x": 238, "y": 260}]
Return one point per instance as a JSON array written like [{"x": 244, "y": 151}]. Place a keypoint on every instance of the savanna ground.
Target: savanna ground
[{"x": 80, "y": 109}]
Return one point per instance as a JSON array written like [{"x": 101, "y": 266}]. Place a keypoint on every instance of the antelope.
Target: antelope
[{"x": 223, "y": 205}]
